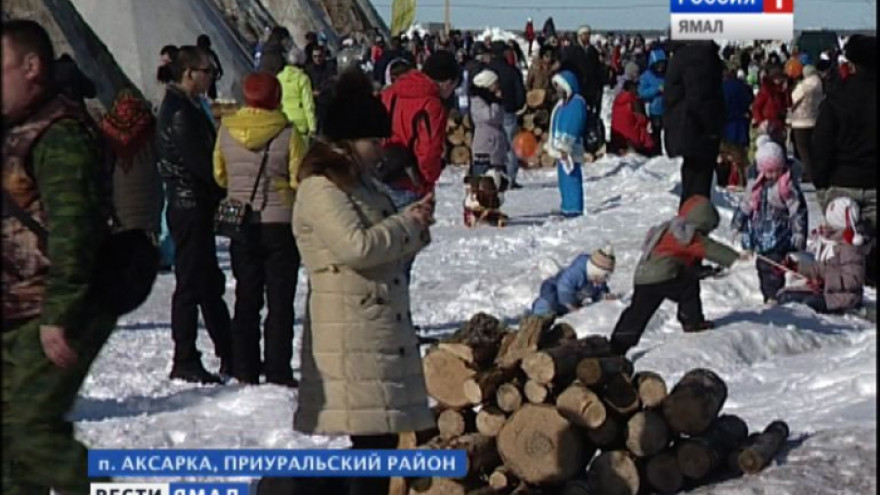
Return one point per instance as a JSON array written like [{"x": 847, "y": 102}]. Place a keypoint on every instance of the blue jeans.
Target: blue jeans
[{"x": 510, "y": 128}]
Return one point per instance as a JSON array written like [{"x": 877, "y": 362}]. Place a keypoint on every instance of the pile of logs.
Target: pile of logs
[
  {"x": 459, "y": 138},
  {"x": 540, "y": 411}
]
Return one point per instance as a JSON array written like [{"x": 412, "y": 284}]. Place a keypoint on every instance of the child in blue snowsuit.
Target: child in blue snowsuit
[
  {"x": 651, "y": 92},
  {"x": 585, "y": 279},
  {"x": 773, "y": 216},
  {"x": 566, "y": 144}
]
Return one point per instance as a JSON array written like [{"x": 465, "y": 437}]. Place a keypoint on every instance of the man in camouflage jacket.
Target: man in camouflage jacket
[{"x": 52, "y": 328}]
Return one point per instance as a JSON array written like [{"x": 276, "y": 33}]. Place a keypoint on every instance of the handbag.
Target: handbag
[{"x": 233, "y": 216}]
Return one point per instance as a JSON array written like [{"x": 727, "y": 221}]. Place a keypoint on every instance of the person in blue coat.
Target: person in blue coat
[
  {"x": 585, "y": 280},
  {"x": 738, "y": 98},
  {"x": 567, "y": 125},
  {"x": 651, "y": 92}
]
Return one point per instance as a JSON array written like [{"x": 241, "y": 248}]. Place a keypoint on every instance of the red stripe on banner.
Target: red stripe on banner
[{"x": 779, "y": 6}]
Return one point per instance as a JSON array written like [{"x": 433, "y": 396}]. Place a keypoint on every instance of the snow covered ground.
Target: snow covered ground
[{"x": 816, "y": 372}]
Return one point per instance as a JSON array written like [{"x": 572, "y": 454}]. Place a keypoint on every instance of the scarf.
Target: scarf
[{"x": 783, "y": 187}]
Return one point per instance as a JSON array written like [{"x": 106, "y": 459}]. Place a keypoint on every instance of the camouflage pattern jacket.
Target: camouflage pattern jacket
[{"x": 52, "y": 164}]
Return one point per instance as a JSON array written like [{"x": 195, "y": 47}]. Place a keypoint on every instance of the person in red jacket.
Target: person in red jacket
[
  {"x": 530, "y": 35},
  {"x": 629, "y": 125},
  {"x": 772, "y": 102},
  {"x": 418, "y": 123}
]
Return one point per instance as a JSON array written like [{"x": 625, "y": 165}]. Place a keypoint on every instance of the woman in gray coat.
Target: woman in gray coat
[
  {"x": 361, "y": 366},
  {"x": 490, "y": 144}
]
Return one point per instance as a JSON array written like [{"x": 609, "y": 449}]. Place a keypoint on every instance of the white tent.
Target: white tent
[{"x": 136, "y": 30}]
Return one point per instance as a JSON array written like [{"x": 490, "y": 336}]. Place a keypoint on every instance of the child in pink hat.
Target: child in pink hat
[{"x": 772, "y": 216}]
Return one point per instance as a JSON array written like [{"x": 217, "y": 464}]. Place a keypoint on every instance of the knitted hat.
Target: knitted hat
[
  {"x": 485, "y": 79},
  {"x": 770, "y": 157},
  {"x": 631, "y": 71},
  {"x": 442, "y": 66},
  {"x": 262, "y": 90},
  {"x": 354, "y": 112},
  {"x": 843, "y": 214},
  {"x": 601, "y": 263}
]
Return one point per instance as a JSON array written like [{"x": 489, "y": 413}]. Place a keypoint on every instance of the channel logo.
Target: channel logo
[{"x": 744, "y": 20}]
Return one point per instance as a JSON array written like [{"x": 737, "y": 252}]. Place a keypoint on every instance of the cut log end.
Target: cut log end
[
  {"x": 490, "y": 420},
  {"x": 540, "y": 446},
  {"x": 651, "y": 388},
  {"x": 647, "y": 433},
  {"x": 614, "y": 473},
  {"x": 536, "y": 393},
  {"x": 581, "y": 406},
  {"x": 445, "y": 375},
  {"x": 508, "y": 397},
  {"x": 663, "y": 474}
]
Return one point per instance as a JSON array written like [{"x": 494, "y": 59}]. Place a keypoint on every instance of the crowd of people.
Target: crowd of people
[{"x": 333, "y": 166}]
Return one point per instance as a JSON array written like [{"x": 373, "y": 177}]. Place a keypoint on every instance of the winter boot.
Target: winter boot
[
  {"x": 698, "y": 327},
  {"x": 194, "y": 372}
]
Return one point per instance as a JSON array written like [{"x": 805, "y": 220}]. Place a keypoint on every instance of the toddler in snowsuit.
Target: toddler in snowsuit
[
  {"x": 773, "y": 217},
  {"x": 836, "y": 269},
  {"x": 629, "y": 125},
  {"x": 670, "y": 268},
  {"x": 651, "y": 92},
  {"x": 585, "y": 279},
  {"x": 567, "y": 125}
]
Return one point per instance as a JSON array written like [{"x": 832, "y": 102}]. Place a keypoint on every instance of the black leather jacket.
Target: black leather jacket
[{"x": 186, "y": 145}]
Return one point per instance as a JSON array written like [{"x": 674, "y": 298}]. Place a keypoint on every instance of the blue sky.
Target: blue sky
[{"x": 618, "y": 14}]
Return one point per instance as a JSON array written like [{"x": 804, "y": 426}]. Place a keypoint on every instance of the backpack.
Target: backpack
[
  {"x": 400, "y": 161},
  {"x": 594, "y": 134}
]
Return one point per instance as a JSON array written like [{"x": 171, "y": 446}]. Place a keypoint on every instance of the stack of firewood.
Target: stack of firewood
[
  {"x": 539, "y": 411},
  {"x": 459, "y": 138},
  {"x": 536, "y": 119}
]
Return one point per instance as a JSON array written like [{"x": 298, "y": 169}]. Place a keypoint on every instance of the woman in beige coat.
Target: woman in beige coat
[{"x": 361, "y": 367}]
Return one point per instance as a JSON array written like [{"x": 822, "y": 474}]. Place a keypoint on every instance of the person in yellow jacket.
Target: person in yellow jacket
[
  {"x": 297, "y": 99},
  {"x": 266, "y": 259}
]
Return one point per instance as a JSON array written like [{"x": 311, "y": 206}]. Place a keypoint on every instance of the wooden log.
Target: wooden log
[
  {"x": 490, "y": 420},
  {"x": 536, "y": 393},
  {"x": 614, "y": 473},
  {"x": 620, "y": 395},
  {"x": 536, "y": 98},
  {"x": 467, "y": 123},
  {"x": 595, "y": 371},
  {"x": 454, "y": 423},
  {"x": 503, "y": 479},
  {"x": 445, "y": 375},
  {"x": 764, "y": 448},
  {"x": 509, "y": 397},
  {"x": 475, "y": 356},
  {"x": 456, "y": 137},
  {"x": 700, "y": 456},
  {"x": 557, "y": 365},
  {"x": 525, "y": 489},
  {"x": 528, "y": 122},
  {"x": 577, "y": 487},
  {"x": 540, "y": 446},
  {"x": 651, "y": 388},
  {"x": 542, "y": 117},
  {"x": 663, "y": 474},
  {"x": 559, "y": 334},
  {"x": 482, "y": 386},
  {"x": 581, "y": 406},
  {"x": 695, "y": 402},
  {"x": 437, "y": 486},
  {"x": 469, "y": 138},
  {"x": 646, "y": 433},
  {"x": 547, "y": 160},
  {"x": 460, "y": 155},
  {"x": 524, "y": 341},
  {"x": 733, "y": 458},
  {"x": 482, "y": 454},
  {"x": 608, "y": 435}
]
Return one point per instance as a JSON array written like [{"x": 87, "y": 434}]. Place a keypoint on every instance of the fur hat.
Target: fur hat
[
  {"x": 354, "y": 112},
  {"x": 769, "y": 156},
  {"x": 485, "y": 79},
  {"x": 442, "y": 66},
  {"x": 262, "y": 90},
  {"x": 843, "y": 214},
  {"x": 601, "y": 263},
  {"x": 861, "y": 50}
]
